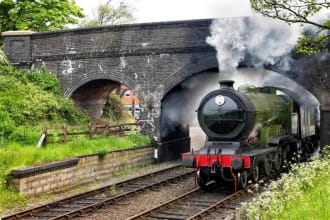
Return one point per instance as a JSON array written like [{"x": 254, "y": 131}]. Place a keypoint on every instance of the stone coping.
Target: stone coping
[
  {"x": 325, "y": 107},
  {"x": 116, "y": 151},
  {"x": 43, "y": 168},
  {"x": 17, "y": 33}
]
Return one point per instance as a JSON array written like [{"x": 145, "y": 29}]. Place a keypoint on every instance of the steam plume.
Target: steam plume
[{"x": 256, "y": 41}]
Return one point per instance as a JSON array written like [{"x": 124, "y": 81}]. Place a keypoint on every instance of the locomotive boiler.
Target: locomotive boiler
[{"x": 251, "y": 131}]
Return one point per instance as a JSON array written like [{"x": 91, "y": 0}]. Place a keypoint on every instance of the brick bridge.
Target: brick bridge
[{"x": 152, "y": 59}]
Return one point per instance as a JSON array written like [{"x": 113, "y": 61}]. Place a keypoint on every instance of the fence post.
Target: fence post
[
  {"x": 89, "y": 130},
  {"x": 45, "y": 131},
  {"x": 122, "y": 130},
  {"x": 106, "y": 130},
  {"x": 42, "y": 139},
  {"x": 64, "y": 133}
]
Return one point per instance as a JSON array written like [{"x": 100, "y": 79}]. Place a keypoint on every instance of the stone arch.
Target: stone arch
[
  {"x": 91, "y": 93},
  {"x": 82, "y": 80}
]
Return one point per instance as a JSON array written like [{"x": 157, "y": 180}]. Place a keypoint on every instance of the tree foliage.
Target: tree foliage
[
  {"x": 303, "y": 12},
  {"x": 38, "y": 15},
  {"x": 109, "y": 13}
]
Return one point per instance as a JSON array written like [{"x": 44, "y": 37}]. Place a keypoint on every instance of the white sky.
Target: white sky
[{"x": 169, "y": 10}]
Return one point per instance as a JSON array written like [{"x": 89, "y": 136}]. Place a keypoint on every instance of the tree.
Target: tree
[
  {"x": 38, "y": 15},
  {"x": 109, "y": 14},
  {"x": 299, "y": 11}
]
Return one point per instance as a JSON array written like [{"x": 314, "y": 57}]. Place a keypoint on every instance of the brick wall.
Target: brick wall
[{"x": 76, "y": 171}]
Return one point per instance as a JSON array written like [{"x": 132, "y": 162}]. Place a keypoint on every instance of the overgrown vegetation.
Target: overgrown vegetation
[
  {"x": 27, "y": 102},
  {"x": 304, "y": 193},
  {"x": 114, "y": 110}
]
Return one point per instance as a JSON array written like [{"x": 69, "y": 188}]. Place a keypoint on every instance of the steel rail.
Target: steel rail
[
  {"x": 202, "y": 214},
  {"x": 43, "y": 208},
  {"x": 205, "y": 208},
  {"x": 142, "y": 215}
]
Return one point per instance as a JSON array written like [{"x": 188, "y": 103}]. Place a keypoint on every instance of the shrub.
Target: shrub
[
  {"x": 7, "y": 125},
  {"x": 26, "y": 135},
  {"x": 113, "y": 109},
  {"x": 45, "y": 80},
  {"x": 32, "y": 99}
]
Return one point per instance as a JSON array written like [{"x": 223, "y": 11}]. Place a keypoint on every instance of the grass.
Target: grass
[
  {"x": 304, "y": 193},
  {"x": 15, "y": 156}
]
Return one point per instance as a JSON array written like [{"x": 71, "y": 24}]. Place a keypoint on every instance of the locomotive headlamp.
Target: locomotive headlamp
[
  {"x": 237, "y": 163},
  {"x": 219, "y": 100}
]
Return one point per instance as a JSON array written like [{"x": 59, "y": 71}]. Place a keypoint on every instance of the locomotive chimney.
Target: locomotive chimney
[{"x": 228, "y": 84}]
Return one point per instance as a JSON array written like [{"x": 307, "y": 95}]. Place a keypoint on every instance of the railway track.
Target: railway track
[
  {"x": 95, "y": 199},
  {"x": 197, "y": 204}
]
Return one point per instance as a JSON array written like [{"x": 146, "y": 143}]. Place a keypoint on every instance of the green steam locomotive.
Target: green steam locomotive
[{"x": 251, "y": 131}]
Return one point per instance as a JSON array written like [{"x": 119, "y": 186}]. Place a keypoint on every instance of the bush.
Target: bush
[
  {"x": 7, "y": 125},
  {"x": 114, "y": 109},
  {"x": 26, "y": 135},
  {"x": 45, "y": 80},
  {"x": 32, "y": 99}
]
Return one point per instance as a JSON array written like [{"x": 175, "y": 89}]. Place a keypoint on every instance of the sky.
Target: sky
[{"x": 170, "y": 10}]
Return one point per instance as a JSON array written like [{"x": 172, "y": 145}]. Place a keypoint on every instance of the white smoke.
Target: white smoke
[
  {"x": 179, "y": 107},
  {"x": 259, "y": 41}
]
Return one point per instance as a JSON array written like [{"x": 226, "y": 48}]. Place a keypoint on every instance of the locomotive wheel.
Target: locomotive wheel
[
  {"x": 285, "y": 157},
  {"x": 202, "y": 179},
  {"x": 278, "y": 161},
  {"x": 242, "y": 180},
  {"x": 255, "y": 173},
  {"x": 267, "y": 167}
]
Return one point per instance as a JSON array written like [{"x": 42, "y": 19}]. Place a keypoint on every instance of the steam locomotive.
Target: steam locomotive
[{"x": 251, "y": 131}]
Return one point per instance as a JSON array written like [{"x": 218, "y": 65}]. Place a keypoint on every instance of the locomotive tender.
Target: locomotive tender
[{"x": 249, "y": 131}]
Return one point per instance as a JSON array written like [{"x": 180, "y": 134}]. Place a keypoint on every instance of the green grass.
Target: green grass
[
  {"x": 304, "y": 193},
  {"x": 15, "y": 156},
  {"x": 313, "y": 204}
]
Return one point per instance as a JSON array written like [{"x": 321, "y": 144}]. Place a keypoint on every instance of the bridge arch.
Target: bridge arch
[
  {"x": 85, "y": 79},
  {"x": 92, "y": 93}
]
